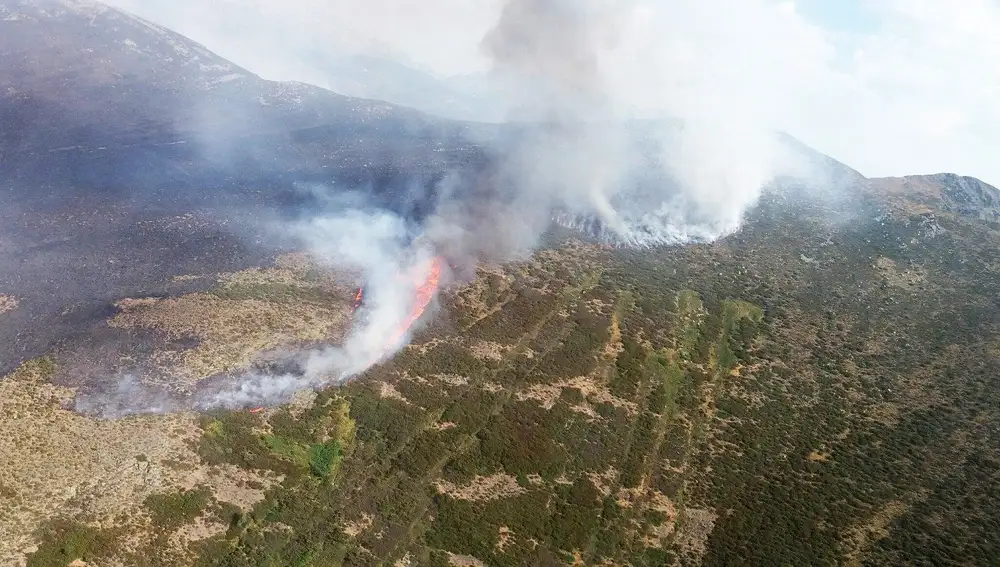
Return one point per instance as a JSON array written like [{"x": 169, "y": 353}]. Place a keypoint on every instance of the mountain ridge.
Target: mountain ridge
[
  {"x": 97, "y": 79},
  {"x": 957, "y": 193},
  {"x": 214, "y": 74}
]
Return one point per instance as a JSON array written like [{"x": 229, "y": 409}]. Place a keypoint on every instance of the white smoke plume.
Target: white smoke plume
[
  {"x": 580, "y": 156},
  {"x": 389, "y": 255},
  {"x": 689, "y": 178}
]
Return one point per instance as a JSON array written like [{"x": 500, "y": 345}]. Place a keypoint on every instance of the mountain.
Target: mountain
[
  {"x": 383, "y": 78},
  {"x": 336, "y": 57},
  {"x": 818, "y": 388},
  {"x": 130, "y": 155},
  {"x": 953, "y": 193},
  {"x": 84, "y": 85}
]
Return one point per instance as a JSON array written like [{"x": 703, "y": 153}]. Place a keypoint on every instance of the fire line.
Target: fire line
[
  {"x": 425, "y": 289},
  {"x": 422, "y": 298}
]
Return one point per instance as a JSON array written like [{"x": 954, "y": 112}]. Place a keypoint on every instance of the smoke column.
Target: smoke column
[{"x": 633, "y": 182}]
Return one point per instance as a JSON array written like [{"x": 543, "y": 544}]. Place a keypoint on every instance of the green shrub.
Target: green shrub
[
  {"x": 323, "y": 458},
  {"x": 170, "y": 511},
  {"x": 65, "y": 541}
]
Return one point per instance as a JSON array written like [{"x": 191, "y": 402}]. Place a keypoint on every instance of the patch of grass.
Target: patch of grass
[
  {"x": 170, "y": 511},
  {"x": 324, "y": 458},
  {"x": 274, "y": 293},
  {"x": 65, "y": 541},
  {"x": 289, "y": 449},
  {"x": 734, "y": 310},
  {"x": 690, "y": 314},
  {"x": 46, "y": 366},
  {"x": 40, "y": 368}
]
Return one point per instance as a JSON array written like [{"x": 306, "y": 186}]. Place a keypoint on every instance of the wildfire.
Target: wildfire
[
  {"x": 426, "y": 287},
  {"x": 425, "y": 281},
  {"x": 358, "y": 299}
]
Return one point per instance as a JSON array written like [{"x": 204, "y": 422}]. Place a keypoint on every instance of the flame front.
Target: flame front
[
  {"x": 424, "y": 293},
  {"x": 358, "y": 299},
  {"x": 424, "y": 281}
]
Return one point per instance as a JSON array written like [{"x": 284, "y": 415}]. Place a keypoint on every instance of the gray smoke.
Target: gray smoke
[{"x": 552, "y": 48}]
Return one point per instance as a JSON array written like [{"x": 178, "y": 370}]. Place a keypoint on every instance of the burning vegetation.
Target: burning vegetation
[
  {"x": 427, "y": 279},
  {"x": 422, "y": 283},
  {"x": 359, "y": 299},
  {"x": 424, "y": 280}
]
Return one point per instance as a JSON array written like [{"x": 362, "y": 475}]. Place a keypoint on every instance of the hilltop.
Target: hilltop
[{"x": 106, "y": 99}]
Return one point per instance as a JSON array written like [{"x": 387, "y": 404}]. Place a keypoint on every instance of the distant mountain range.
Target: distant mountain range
[
  {"x": 465, "y": 97},
  {"x": 93, "y": 96},
  {"x": 335, "y": 57}
]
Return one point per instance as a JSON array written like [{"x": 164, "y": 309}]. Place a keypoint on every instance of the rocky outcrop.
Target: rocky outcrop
[{"x": 948, "y": 192}]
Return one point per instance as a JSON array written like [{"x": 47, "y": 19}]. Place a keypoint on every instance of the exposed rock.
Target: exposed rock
[{"x": 8, "y": 303}]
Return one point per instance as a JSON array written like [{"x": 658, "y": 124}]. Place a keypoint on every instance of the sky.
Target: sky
[{"x": 890, "y": 87}]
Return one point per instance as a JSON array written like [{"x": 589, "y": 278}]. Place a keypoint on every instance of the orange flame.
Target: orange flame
[
  {"x": 358, "y": 299},
  {"x": 423, "y": 295},
  {"x": 426, "y": 287}
]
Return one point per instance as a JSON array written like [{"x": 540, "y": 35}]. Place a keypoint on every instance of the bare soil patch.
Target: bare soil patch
[
  {"x": 8, "y": 303},
  {"x": 465, "y": 561},
  {"x": 899, "y": 276},
  {"x": 818, "y": 457},
  {"x": 693, "y": 531},
  {"x": 594, "y": 393},
  {"x": 482, "y": 488}
]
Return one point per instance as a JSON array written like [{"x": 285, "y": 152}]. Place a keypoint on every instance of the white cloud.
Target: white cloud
[
  {"x": 931, "y": 80},
  {"x": 915, "y": 93}
]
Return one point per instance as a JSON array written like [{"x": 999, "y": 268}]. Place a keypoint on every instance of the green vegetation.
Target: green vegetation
[
  {"x": 297, "y": 453},
  {"x": 46, "y": 366},
  {"x": 170, "y": 511},
  {"x": 40, "y": 368},
  {"x": 65, "y": 541},
  {"x": 273, "y": 292},
  {"x": 323, "y": 458}
]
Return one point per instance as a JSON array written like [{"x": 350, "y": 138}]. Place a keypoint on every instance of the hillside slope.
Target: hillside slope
[
  {"x": 953, "y": 193},
  {"x": 816, "y": 389},
  {"x": 130, "y": 155},
  {"x": 98, "y": 95}
]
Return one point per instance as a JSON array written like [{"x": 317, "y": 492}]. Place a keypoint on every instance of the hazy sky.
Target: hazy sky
[{"x": 890, "y": 87}]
